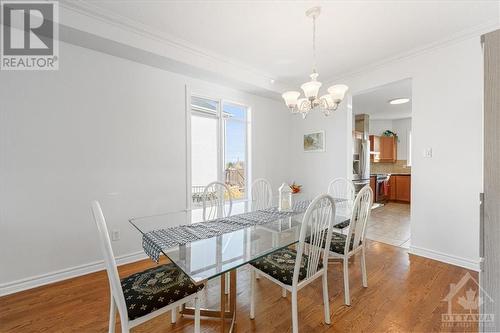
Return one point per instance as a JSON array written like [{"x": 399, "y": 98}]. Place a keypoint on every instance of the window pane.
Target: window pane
[
  {"x": 204, "y": 104},
  {"x": 203, "y": 154},
  {"x": 235, "y": 156},
  {"x": 234, "y": 111}
]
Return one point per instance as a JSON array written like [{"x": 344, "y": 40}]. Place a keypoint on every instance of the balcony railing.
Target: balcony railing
[{"x": 234, "y": 179}]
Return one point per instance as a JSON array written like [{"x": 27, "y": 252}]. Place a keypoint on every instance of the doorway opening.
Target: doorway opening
[
  {"x": 383, "y": 122},
  {"x": 219, "y": 147}
]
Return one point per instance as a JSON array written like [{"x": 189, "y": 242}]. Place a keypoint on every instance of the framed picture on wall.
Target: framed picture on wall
[{"x": 314, "y": 142}]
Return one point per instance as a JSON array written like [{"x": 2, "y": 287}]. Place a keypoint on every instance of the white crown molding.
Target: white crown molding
[
  {"x": 184, "y": 51},
  {"x": 455, "y": 38},
  {"x": 64, "y": 274},
  {"x": 93, "y": 11},
  {"x": 244, "y": 72}
]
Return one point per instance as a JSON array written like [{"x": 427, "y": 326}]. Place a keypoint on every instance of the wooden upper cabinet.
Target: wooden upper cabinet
[
  {"x": 403, "y": 188},
  {"x": 374, "y": 148},
  {"x": 388, "y": 149},
  {"x": 385, "y": 146}
]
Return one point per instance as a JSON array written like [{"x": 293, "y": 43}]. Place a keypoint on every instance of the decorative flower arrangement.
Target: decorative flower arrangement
[
  {"x": 295, "y": 188},
  {"x": 389, "y": 133}
]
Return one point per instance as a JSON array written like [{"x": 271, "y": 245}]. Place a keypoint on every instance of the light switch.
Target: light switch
[
  {"x": 428, "y": 152},
  {"x": 115, "y": 235}
]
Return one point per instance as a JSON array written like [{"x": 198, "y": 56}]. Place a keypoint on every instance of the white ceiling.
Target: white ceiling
[
  {"x": 375, "y": 102},
  {"x": 274, "y": 37}
]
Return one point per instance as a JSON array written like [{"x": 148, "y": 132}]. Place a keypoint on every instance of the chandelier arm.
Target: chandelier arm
[{"x": 323, "y": 103}]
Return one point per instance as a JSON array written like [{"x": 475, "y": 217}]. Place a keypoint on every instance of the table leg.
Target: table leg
[
  {"x": 222, "y": 303},
  {"x": 223, "y": 313},
  {"x": 232, "y": 293}
]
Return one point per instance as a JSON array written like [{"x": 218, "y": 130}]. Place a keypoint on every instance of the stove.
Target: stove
[{"x": 381, "y": 187}]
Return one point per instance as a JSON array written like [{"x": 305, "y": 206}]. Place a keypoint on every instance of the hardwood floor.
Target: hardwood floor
[{"x": 405, "y": 294}]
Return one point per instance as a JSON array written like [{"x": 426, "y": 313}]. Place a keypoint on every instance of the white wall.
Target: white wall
[
  {"x": 101, "y": 128},
  {"x": 314, "y": 170},
  {"x": 447, "y": 117},
  {"x": 378, "y": 126},
  {"x": 399, "y": 126},
  {"x": 402, "y": 127}
]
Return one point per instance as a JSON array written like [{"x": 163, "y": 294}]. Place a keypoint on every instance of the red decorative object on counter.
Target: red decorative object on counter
[{"x": 295, "y": 188}]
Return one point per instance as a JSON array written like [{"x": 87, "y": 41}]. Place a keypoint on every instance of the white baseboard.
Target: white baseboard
[
  {"x": 446, "y": 258},
  {"x": 64, "y": 274}
]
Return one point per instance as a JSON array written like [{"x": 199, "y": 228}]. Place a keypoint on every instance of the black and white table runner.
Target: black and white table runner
[{"x": 154, "y": 242}]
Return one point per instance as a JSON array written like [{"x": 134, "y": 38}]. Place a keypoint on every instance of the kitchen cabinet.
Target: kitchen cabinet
[
  {"x": 400, "y": 188},
  {"x": 392, "y": 188},
  {"x": 388, "y": 149},
  {"x": 403, "y": 188},
  {"x": 383, "y": 149},
  {"x": 373, "y": 184},
  {"x": 374, "y": 148}
]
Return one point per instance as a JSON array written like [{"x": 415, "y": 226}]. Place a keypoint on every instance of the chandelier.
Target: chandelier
[{"x": 328, "y": 102}]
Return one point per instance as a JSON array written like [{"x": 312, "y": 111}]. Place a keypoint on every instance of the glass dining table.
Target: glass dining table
[{"x": 208, "y": 258}]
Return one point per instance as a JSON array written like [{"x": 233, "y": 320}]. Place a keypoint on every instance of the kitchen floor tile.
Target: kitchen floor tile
[{"x": 390, "y": 224}]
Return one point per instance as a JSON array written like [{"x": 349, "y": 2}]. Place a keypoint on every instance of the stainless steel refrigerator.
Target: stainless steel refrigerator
[{"x": 361, "y": 152}]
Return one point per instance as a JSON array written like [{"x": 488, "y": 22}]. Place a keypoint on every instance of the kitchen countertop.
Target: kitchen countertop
[{"x": 391, "y": 174}]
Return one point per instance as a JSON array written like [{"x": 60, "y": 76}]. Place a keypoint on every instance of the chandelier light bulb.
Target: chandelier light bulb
[
  {"x": 290, "y": 98},
  {"x": 311, "y": 88},
  {"x": 338, "y": 92}
]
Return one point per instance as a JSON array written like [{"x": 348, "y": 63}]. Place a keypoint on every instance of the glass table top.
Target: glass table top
[{"x": 207, "y": 258}]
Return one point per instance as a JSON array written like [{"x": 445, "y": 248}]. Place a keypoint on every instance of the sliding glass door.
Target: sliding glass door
[{"x": 219, "y": 146}]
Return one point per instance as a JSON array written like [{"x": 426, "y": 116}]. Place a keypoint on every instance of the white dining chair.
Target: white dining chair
[
  {"x": 262, "y": 194},
  {"x": 147, "y": 294},
  {"x": 293, "y": 269},
  {"x": 342, "y": 188},
  {"x": 217, "y": 201},
  {"x": 262, "y": 197},
  {"x": 345, "y": 246}
]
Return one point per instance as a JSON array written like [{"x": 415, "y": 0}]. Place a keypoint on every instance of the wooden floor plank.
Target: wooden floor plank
[{"x": 405, "y": 294}]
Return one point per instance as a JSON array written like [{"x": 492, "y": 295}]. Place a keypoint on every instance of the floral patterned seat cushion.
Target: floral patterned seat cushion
[
  {"x": 155, "y": 288},
  {"x": 337, "y": 244},
  {"x": 280, "y": 265}
]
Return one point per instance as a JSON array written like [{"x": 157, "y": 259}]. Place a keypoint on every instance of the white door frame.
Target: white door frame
[{"x": 220, "y": 140}]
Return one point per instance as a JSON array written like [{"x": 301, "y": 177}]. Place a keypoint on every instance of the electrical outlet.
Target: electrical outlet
[
  {"x": 115, "y": 235},
  {"x": 428, "y": 153}
]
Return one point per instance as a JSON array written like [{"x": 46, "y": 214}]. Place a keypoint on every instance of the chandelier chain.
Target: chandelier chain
[{"x": 314, "y": 44}]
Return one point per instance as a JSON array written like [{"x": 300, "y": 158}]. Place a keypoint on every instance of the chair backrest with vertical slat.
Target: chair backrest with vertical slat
[
  {"x": 217, "y": 201},
  {"x": 109, "y": 260},
  {"x": 342, "y": 188},
  {"x": 262, "y": 194},
  {"x": 317, "y": 222},
  {"x": 359, "y": 218}
]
